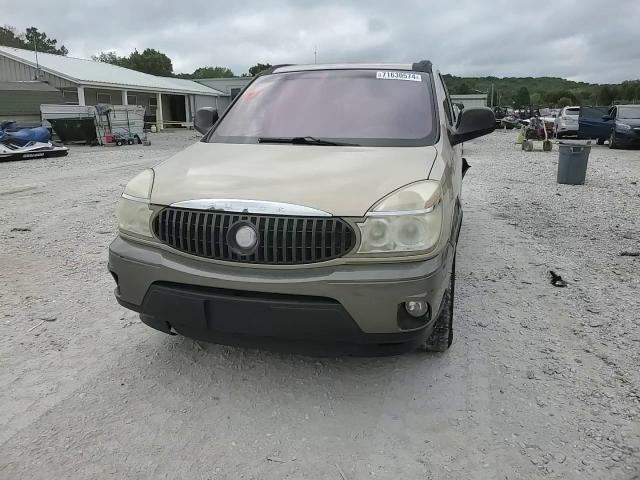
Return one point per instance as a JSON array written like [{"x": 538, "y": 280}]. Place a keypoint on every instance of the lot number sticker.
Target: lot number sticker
[{"x": 413, "y": 77}]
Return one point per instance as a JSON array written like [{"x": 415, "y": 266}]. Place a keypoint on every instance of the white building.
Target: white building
[
  {"x": 471, "y": 100},
  {"x": 86, "y": 82},
  {"x": 231, "y": 87}
]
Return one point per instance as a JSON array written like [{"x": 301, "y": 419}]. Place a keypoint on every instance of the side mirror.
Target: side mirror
[
  {"x": 472, "y": 123},
  {"x": 205, "y": 118},
  {"x": 606, "y": 118}
]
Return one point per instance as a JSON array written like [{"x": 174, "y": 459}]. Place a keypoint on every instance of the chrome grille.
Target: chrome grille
[{"x": 282, "y": 240}]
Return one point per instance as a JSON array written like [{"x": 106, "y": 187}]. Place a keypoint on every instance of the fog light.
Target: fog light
[{"x": 416, "y": 308}]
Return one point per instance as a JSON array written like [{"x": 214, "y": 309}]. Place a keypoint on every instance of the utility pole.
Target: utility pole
[
  {"x": 315, "y": 55},
  {"x": 35, "y": 49}
]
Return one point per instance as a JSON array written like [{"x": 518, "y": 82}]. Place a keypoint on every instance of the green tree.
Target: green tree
[
  {"x": 212, "y": 72},
  {"x": 627, "y": 91},
  {"x": 522, "y": 97},
  {"x": 564, "y": 102},
  {"x": 463, "y": 89},
  {"x": 259, "y": 67},
  {"x": 605, "y": 95},
  {"x": 43, "y": 43},
  {"x": 149, "y": 61},
  {"x": 536, "y": 98},
  {"x": 10, "y": 37},
  {"x": 109, "y": 57}
]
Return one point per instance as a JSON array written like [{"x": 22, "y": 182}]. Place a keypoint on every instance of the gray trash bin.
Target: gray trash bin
[{"x": 572, "y": 162}]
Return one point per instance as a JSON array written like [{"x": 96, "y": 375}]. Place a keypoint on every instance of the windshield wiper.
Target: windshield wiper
[{"x": 305, "y": 141}]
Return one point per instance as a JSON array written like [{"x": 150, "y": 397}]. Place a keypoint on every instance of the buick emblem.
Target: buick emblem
[
  {"x": 242, "y": 238},
  {"x": 246, "y": 237}
]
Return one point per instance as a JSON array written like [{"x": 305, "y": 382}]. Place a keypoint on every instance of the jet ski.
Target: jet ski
[{"x": 26, "y": 143}]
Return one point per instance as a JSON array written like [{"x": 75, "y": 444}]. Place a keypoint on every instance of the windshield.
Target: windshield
[
  {"x": 629, "y": 112},
  {"x": 363, "y": 107},
  {"x": 572, "y": 111}
]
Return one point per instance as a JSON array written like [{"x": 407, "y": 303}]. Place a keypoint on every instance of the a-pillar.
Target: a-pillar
[
  {"x": 81, "y": 95},
  {"x": 159, "y": 121}
]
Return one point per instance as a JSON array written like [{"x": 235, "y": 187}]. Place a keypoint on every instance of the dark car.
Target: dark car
[
  {"x": 593, "y": 122},
  {"x": 619, "y": 124},
  {"x": 625, "y": 126}
]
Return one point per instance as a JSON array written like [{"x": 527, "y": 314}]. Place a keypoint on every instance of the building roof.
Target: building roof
[
  {"x": 470, "y": 96},
  {"x": 31, "y": 86},
  {"x": 225, "y": 84},
  {"x": 91, "y": 73},
  {"x": 224, "y": 79}
]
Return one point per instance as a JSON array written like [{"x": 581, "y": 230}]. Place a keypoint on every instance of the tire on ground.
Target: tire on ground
[{"x": 442, "y": 336}]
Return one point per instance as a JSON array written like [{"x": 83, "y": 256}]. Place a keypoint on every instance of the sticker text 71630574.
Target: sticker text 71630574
[{"x": 413, "y": 77}]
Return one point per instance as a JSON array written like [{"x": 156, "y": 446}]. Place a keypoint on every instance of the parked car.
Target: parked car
[
  {"x": 620, "y": 125},
  {"x": 500, "y": 113},
  {"x": 625, "y": 128},
  {"x": 594, "y": 123},
  {"x": 296, "y": 218},
  {"x": 510, "y": 122},
  {"x": 566, "y": 123}
]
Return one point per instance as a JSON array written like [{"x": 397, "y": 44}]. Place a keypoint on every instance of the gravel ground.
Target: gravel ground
[{"x": 541, "y": 382}]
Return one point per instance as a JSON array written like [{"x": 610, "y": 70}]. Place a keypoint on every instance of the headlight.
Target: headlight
[
  {"x": 409, "y": 220},
  {"x": 623, "y": 126},
  {"x": 133, "y": 211},
  {"x": 140, "y": 185}
]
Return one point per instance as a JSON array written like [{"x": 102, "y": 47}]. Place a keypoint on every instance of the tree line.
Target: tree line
[
  {"x": 507, "y": 91},
  {"x": 544, "y": 91},
  {"x": 157, "y": 63},
  {"x": 149, "y": 60},
  {"x": 29, "y": 39}
]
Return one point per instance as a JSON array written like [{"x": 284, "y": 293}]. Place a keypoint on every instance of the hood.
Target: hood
[
  {"x": 343, "y": 181},
  {"x": 633, "y": 122}
]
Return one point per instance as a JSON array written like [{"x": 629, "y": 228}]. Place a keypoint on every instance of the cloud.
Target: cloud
[{"x": 587, "y": 40}]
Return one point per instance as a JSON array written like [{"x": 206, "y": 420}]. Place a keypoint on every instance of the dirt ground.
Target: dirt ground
[{"x": 541, "y": 382}]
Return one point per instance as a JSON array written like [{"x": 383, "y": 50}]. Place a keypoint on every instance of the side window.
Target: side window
[{"x": 448, "y": 106}]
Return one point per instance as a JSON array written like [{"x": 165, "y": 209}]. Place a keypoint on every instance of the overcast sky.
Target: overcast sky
[{"x": 590, "y": 40}]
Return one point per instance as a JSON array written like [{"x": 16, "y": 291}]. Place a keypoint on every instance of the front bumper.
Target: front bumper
[
  {"x": 628, "y": 138},
  {"x": 354, "y": 303},
  {"x": 567, "y": 128}
]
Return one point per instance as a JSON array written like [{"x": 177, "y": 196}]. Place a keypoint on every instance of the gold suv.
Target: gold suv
[{"x": 323, "y": 206}]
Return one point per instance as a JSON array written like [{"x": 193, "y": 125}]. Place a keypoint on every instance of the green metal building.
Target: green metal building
[{"x": 20, "y": 101}]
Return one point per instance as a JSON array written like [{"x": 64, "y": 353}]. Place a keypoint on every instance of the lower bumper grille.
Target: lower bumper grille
[{"x": 280, "y": 240}]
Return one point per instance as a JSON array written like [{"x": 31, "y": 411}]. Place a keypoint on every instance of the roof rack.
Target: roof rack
[
  {"x": 422, "y": 66},
  {"x": 273, "y": 69}
]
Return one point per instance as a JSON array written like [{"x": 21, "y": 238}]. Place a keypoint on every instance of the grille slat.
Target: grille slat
[
  {"x": 294, "y": 256},
  {"x": 282, "y": 240},
  {"x": 189, "y": 249}
]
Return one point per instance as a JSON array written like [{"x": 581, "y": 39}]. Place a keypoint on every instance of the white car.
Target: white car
[{"x": 567, "y": 122}]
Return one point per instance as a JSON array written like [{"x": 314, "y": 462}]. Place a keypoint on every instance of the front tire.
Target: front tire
[
  {"x": 612, "y": 141},
  {"x": 600, "y": 141},
  {"x": 442, "y": 336}
]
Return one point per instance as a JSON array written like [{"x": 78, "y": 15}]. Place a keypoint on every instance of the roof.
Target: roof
[
  {"x": 470, "y": 96},
  {"x": 91, "y": 73},
  {"x": 345, "y": 66},
  {"x": 31, "y": 86},
  {"x": 225, "y": 79}
]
